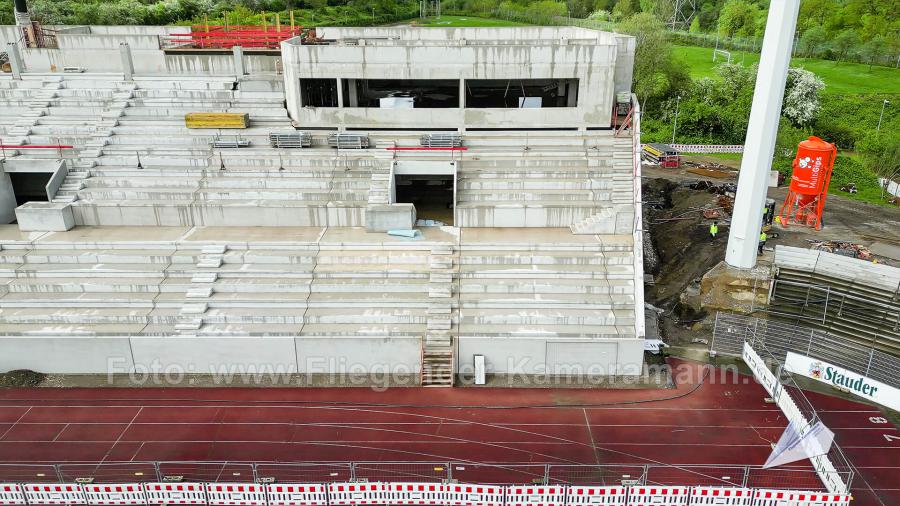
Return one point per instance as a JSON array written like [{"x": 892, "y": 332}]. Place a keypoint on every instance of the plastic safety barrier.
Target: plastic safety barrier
[
  {"x": 414, "y": 494},
  {"x": 297, "y": 495},
  {"x": 11, "y": 494},
  {"x": 590, "y": 496},
  {"x": 42, "y": 493},
  {"x": 536, "y": 496},
  {"x": 115, "y": 494},
  {"x": 351, "y": 494},
  {"x": 175, "y": 493},
  {"x": 476, "y": 495},
  {"x": 798, "y": 498},
  {"x": 726, "y": 496},
  {"x": 235, "y": 494},
  {"x": 658, "y": 496}
]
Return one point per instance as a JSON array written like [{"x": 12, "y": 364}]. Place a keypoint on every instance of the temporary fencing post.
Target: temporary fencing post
[
  {"x": 156, "y": 469},
  {"x": 546, "y": 474},
  {"x": 353, "y": 471},
  {"x": 646, "y": 472},
  {"x": 255, "y": 474},
  {"x": 449, "y": 471},
  {"x": 59, "y": 474},
  {"x": 746, "y": 476}
]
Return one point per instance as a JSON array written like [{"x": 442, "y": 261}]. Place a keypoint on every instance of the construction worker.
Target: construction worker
[
  {"x": 765, "y": 218},
  {"x": 714, "y": 229},
  {"x": 762, "y": 241}
]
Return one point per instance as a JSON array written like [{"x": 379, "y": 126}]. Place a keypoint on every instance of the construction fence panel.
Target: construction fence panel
[
  {"x": 414, "y": 494},
  {"x": 475, "y": 495},
  {"x": 798, "y": 498},
  {"x": 11, "y": 494},
  {"x": 235, "y": 494},
  {"x": 175, "y": 493},
  {"x": 307, "y": 494},
  {"x": 305, "y": 473},
  {"x": 658, "y": 496},
  {"x": 721, "y": 496},
  {"x": 351, "y": 494},
  {"x": 44, "y": 494},
  {"x": 109, "y": 494},
  {"x": 590, "y": 496},
  {"x": 536, "y": 496}
]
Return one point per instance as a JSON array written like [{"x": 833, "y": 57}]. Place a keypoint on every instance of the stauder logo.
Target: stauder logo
[
  {"x": 815, "y": 370},
  {"x": 835, "y": 377}
]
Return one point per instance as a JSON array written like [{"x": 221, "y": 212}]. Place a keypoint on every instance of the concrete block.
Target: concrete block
[
  {"x": 45, "y": 217},
  {"x": 381, "y": 218}
]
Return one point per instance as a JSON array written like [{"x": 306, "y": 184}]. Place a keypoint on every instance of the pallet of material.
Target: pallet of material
[
  {"x": 290, "y": 139},
  {"x": 216, "y": 120}
]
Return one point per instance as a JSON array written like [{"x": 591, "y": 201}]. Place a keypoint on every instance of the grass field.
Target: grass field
[
  {"x": 840, "y": 78},
  {"x": 458, "y": 21}
]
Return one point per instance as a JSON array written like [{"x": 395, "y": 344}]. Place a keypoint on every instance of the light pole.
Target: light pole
[
  {"x": 675, "y": 125},
  {"x": 881, "y": 117}
]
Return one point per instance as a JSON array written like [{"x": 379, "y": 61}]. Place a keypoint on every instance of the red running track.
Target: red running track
[{"x": 705, "y": 420}]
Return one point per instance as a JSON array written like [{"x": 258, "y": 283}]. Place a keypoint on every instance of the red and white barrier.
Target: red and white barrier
[
  {"x": 798, "y": 498},
  {"x": 44, "y": 494},
  {"x": 476, "y": 495},
  {"x": 658, "y": 496},
  {"x": 415, "y": 494},
  {"x": 726, "y": 496},
  {"x": 11, "y": 494},
  {"x": 536, "y": 496},
  {"x": 590, "y": 496},
  {"x": 115, "y": 494},
  {"x": 175, "y": 493},
  {"x": 351, "y": 494},
  {"x": 235, "y": 494},
  {"x": 297, "y": 495}
]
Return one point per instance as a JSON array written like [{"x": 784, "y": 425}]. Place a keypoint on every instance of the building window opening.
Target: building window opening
[
  {"x": 401, "y": 93},
  {"x": 30, "y": 186},
  {"x": 521, "y": 93},
  {"x": 318, "y": 92},
  {"x": 431, "y": 194}
]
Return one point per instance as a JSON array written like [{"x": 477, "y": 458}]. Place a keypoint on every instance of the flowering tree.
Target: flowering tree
[{"x": 801, "y": 96}]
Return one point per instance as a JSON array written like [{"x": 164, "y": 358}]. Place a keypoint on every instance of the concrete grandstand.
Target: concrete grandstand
[{"x": 165, "y": 240}]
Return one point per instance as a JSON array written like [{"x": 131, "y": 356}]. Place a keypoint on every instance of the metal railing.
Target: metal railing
[
  {"x": 731, "y": 330},
  {"x": 786, "y": 477}
]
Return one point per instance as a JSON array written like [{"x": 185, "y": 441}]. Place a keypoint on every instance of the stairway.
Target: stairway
[
  {"x": 380, "y": 184},
  {"x": 190, "y": 318},
  {"x": 40, "y": 101},
  {"x": 437, "y": 347}
]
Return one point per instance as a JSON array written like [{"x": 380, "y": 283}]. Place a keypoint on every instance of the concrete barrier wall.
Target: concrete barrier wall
[
  {"x": 861, "y": 272},
  {"x": 538, "y": 356},
  {"x": 212, "y": 355}
]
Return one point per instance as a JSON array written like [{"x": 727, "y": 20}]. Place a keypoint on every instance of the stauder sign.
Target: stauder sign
[{"x": 834, "y": 375}]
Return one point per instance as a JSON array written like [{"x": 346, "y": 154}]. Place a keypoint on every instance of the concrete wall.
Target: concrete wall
[
  {"x": 213, "y": 354},
  {"x": 534, "y": 53},
  {"x": 7, "y": 197},
  {"x": 538, "y": 356}
]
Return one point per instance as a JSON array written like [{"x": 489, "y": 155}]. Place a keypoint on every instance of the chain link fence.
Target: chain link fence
[
  {"x": 731, "y": 330},
  {"x": 799, "y": 477}
]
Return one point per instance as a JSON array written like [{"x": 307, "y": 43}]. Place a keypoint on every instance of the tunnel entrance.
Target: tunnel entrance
[
  {"x": 428, "y": 185},
  {"x": 30, "y": 186}
]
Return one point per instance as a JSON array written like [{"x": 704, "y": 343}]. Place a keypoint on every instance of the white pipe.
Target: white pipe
[{"x": 759, "y": 145}]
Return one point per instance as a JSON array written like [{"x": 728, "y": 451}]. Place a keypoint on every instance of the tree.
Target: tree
[
  {"x": 695, "y": 25},
  {"x": 844, "y": 43},
  {"x": 662, "y": 9},
  {"x": 876, "y": 48},
  {"x": 738, "y": 19},
  {"x": 657, "y": 74},
  {"x": 801, "y": 96},
  {"x": 626, "y": 8},
  {"x": 812, "y": 42}
]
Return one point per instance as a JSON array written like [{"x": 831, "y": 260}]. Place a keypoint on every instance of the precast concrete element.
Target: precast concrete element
[
  {"x": 594, "y": 64},
  {"x": 762, "y": 131},
  {"x": 45, "y": 217},
  {"x": 381, "y": 218},
  {"x": 15, "y": 60},
  {"x": 127, "y": 61}
]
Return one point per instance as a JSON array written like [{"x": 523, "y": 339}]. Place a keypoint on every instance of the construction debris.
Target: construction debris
[{"x": 847, "y": 249}]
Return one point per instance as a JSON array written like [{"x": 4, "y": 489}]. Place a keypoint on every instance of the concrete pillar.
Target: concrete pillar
[
  {"x": 572, "y": 94},
  {"x": 462, "y": 93},
  {"x": 762, "y": 130},
  {"x": 352, "y": 99},
  {"x": 15, "y": 60},
  {"x": 127, "y": 61},
  {"x": 238, "y": 60},
  {"x": 340, "y": 92}
]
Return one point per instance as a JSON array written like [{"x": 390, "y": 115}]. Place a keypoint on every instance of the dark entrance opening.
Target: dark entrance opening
[
  {"x": 431, "y": 194},
  {"x": 319, "y": 92},
  {"x": 30, "y": 186},
  {"x": 519, "y": 93},
  {"x": 425, "y": 93}
]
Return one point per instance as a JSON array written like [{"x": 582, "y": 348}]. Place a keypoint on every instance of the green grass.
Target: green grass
[
  {"x": 840, "y": 78},
  {"x": 460, "y": 21}
]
